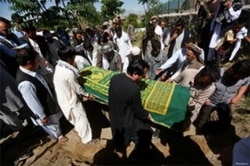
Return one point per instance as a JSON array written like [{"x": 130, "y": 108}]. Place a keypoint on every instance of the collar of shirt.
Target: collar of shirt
[{"x": 29, "y": 72}]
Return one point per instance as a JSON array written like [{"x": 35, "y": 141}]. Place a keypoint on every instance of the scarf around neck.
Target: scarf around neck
[{"x": 68, "y": 66}]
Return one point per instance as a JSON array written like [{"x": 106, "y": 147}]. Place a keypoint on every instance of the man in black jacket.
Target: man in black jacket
[{"x": 127, "y": 115}]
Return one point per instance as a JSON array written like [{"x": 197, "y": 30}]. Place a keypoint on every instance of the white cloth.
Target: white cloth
[
  {"x": 93, "y": 55},
  {"x": 125, "y": 65},
  {"x": 124, "y": 45},
  {"x": 240, "y": 35},
  {"x": 81, "y": 62},
  {"x": 105, "y": 62},
  {"x": 159, "y": 32},
  {"x": 67, "y": 90}
]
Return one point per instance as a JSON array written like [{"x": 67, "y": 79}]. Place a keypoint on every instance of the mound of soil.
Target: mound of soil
[{"x": 34, "y": 147}]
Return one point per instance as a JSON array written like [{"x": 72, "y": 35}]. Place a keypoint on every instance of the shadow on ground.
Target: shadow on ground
[{"x": 18, "y": 146}]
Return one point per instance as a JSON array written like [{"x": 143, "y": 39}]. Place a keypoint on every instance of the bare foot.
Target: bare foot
[{"x": 63, "y": 139}]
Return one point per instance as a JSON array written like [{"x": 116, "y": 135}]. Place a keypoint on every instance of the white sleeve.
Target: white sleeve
[
  {"x": 125, "y": 65},
  {"x": 234, "y": 14},
  {"x": 75, "y": 86},
  {"x": 171, "y": 60},
  {"x": 235, "y": 50}
]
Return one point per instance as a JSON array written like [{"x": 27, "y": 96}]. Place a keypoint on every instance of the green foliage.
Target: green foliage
[
  {"x": 154, "y": 7},
  {"x": 84, "y": 13},
  {"x": 192, "y": 28},
  {"x": 111, "y": 8},
  {"x": 132, "y": 17},
  {"x": 138, "y": 38},
  {"x": 64, "y": 12}
]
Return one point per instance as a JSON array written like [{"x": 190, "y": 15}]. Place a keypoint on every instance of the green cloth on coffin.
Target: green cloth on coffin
[{"x": 165, "y": 102}]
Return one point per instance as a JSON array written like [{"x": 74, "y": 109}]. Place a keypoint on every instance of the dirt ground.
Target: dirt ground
[{"x": 172, "y": 148}]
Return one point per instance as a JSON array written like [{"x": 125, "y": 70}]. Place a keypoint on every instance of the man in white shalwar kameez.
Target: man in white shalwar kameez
[{"x": 68, "y": 91}]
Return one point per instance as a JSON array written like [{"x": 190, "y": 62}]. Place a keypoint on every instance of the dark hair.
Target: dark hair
[
  {"x": 145, "y": 65},
  {"x": 29, "y": 27},
  {"x": 180, "y": 22},
  {"x": 206, "y": 76},
  {"x": 103, "y": 38},
  {"x": 190, "y": 40},
  {"x": 156, "y": 44},
  {"x": 46, "y": 32},
  {"x": 87, "y": 44},
  {"x": 66, "y": 52},
  {"x": 136, "y": 67},
  {"x": 118, "y": 29},
  {"x": 25, "y": 55},
  {"x": 242, "y": 67},
  {"x": 150, "y": 27},
  {"x": 6, "y": 21},
  {"x": 77, "y": 31},
  {"x": 90, "y": 32}
]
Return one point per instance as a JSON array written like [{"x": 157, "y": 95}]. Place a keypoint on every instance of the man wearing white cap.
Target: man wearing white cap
[{"x": 135, "y": 53}]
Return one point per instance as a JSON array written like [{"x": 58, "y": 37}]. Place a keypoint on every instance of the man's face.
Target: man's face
[
  {"x": 136, "y": 77},
  {"x": 154, "y": 22},
  {"x": 155, "y": 52},
  {"x": 178, "y": 29},
  {"x": 231, "y": 73},
  {"x": 32, "y": 34},
  {"x": 79, "y": 36},
  {"x": 186, "y": 44},
  {"x": 4, "y": 29},
  {"x": 190, "y": 54},
  {"x": 119, "y": 33},
  {"x": 162, "y": 24}
]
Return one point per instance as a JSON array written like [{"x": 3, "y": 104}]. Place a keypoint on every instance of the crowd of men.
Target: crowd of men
[{"x": 39, "y": 72}]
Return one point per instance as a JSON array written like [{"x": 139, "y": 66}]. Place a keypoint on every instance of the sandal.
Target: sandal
[{"x": 63, "y": 139}]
